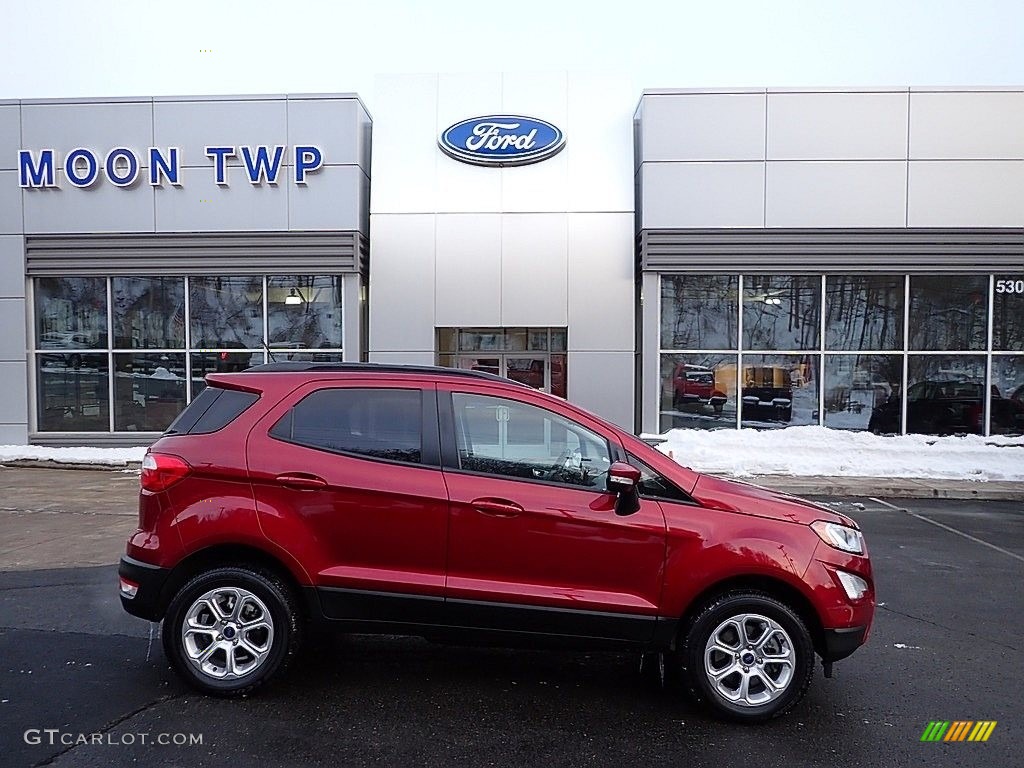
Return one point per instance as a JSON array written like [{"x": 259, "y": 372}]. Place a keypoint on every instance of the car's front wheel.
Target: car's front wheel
[
  {"x": 230, "y": 630},
  {"x": 747, "y": 656}
]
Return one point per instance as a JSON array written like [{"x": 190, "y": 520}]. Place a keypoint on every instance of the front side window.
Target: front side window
[
  {"x": 497, "y": 436},
  {"x": 375, "y": 423}
]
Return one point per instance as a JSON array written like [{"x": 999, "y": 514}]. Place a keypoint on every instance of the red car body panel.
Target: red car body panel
[
  {"x": 372, "y": 526},
  {"x": 546, "y": 554},
  {"x": 375, "y": 525}
]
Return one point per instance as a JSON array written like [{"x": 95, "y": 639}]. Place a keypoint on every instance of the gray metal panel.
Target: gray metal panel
[
  {"x": 830, "y": 250},
  {"x": 209, "y": 253},
  {"x": 12, "y": 267},
  {"x": 10, "y": 136},
  {"x": 10, "y": 204}
]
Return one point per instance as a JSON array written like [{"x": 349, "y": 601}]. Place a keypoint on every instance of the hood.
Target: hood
[{"x": 735, "y": 496}]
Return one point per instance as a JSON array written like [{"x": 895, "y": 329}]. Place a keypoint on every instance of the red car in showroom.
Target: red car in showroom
[
  {"x": 459, "y": 505},
  {"x": 695, "y": 385}
]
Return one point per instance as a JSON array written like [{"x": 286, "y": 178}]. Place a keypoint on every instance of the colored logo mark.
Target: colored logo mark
[
  {"x": 958, "y": 730},
  {"x": 502, "y": 140}
]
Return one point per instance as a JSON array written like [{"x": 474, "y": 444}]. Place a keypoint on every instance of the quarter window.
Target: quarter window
[
  {"x": 504, "y": 437},
  {"x": 655, "y": 486},
  {"x": 375, "y": 423}
]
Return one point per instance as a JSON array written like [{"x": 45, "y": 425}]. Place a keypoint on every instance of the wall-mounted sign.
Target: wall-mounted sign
[
  {"x": 121, "y": 166},
  {"x": 501, "y": 140}
]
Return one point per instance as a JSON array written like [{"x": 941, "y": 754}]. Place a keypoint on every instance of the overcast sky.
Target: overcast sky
[{"x": 57, "y": 48}]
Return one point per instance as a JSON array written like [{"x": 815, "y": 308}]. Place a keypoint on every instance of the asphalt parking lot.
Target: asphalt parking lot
[{"x": 947, "y": 645}]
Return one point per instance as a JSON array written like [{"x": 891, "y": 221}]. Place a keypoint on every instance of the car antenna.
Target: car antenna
[{"x": 269, "y": 353}]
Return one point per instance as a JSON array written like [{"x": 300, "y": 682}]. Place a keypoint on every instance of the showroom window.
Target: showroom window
[
  {"x": 126, "y": 354},
  {"x": 886, "y": 353}
]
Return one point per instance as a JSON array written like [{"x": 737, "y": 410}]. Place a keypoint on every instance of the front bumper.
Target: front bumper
[
  {"x": 840, "y": 643},
  {"x": 149, "y": 581}
]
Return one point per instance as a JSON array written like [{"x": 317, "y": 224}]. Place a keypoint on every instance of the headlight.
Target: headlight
[
  {"x": 854, "y": 585},
  {"x": 840, "y": 536}
]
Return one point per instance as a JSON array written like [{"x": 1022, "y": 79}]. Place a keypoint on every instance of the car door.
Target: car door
[
  {"x": 534, "y": 542},
  {"x": 346, "y": 476}
]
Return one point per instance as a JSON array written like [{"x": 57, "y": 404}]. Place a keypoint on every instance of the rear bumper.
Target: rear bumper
[
  {"x": 840, "y": 643},
  {"x": 149, "y": 580}
]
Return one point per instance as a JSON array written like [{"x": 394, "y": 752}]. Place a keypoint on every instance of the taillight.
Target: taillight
[{"x": 161, "y": 470}]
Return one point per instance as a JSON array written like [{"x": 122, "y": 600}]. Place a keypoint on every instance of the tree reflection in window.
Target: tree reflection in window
[{"x": 781, "y": 312}]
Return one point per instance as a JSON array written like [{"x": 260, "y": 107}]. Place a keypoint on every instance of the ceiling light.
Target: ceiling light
[{"x": 293, "y": 298}]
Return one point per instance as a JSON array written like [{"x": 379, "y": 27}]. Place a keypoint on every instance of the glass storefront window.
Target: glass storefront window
[
  {"x": 304, "y": 312},
  {"x": 945, "y": 394},
  {"x": 149, "y": 390},
  {"x": 1007, "y": 394},
  {"x": 71, "y": 312},
  {"x": 224, "y": 314},
  {"x": 72, "y": 392},
  {"x": 148, "y": 312},
  {"x": 779, "y": 390},
  {"x": 699, "y": 311},
  {"x": 948, "y": 312},
  {"x": 1008, "y": 312},
  {"x": 227, "y": 312},
  {"x": 222, "y": 362},
  {"x": 781, "y": 313},
  {"x": 698, "y": 391},
  {"x": 863, "y": 392},
  {"x": 864, "y": 312}
]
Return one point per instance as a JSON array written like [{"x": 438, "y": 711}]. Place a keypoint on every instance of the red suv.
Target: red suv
[{"x": 456, "y": 504}]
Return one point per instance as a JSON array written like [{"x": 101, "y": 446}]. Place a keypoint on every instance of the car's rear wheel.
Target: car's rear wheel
[
  {"x": 747, "y": 656},
  {"x": 230, "y": 630}
]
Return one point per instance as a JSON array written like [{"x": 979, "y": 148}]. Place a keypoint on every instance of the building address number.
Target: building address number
[{"x": 1010, "y": 286}]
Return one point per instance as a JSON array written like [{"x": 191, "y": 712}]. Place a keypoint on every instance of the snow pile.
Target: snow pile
[
  {"x": 809, "y": 451},
  {"x": 115, "y": 457}
]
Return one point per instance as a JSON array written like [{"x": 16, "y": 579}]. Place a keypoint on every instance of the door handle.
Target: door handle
[
  {"x": 301, "y": 481},
  {"x": 496, "y": 507}
]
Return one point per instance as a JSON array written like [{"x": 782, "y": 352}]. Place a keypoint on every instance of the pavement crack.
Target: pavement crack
[
  {"x": 110, "y": 726},
  {"x": 949, "y": 629}
]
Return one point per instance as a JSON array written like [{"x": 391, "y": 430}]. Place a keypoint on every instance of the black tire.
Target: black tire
[
  {"x": 695, "y": 635},
  {"x": 279, "y": 601}
]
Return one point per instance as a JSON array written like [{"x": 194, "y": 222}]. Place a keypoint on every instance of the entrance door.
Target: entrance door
[{"x": 532, "y": 356}]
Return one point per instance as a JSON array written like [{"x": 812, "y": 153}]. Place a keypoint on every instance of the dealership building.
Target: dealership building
[{"x": 755, "y": 258}]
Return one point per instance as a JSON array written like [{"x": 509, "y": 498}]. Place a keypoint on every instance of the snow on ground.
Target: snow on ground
[
  {"x": 116, "y": 457},
  {"x": 838, "y": 453},
  {"x": 798, "y": 451}
]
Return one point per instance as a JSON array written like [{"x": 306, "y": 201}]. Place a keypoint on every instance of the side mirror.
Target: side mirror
[
  {"x": 622, "y": 477},
  {"x": 623, "y": 481}
]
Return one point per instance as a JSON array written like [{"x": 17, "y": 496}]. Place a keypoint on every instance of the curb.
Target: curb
[{"x": 51, "y": 464}]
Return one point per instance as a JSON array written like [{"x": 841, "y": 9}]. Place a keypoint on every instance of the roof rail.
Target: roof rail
[{"x": 431, "y": 370}]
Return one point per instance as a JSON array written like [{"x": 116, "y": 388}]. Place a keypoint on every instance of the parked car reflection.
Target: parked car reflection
[{"x": 949, "y": 407}]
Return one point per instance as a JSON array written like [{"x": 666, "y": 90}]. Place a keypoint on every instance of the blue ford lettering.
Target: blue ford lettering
[{"x": 502, "y": 140}]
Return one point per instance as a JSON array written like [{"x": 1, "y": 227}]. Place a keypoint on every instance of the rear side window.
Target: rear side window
[
  {"x": 376, "y": 423},
  {"x": 211, "y": 411}
]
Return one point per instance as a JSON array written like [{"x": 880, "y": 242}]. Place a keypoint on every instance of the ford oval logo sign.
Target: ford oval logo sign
[{"x": 502, "y": 140}]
